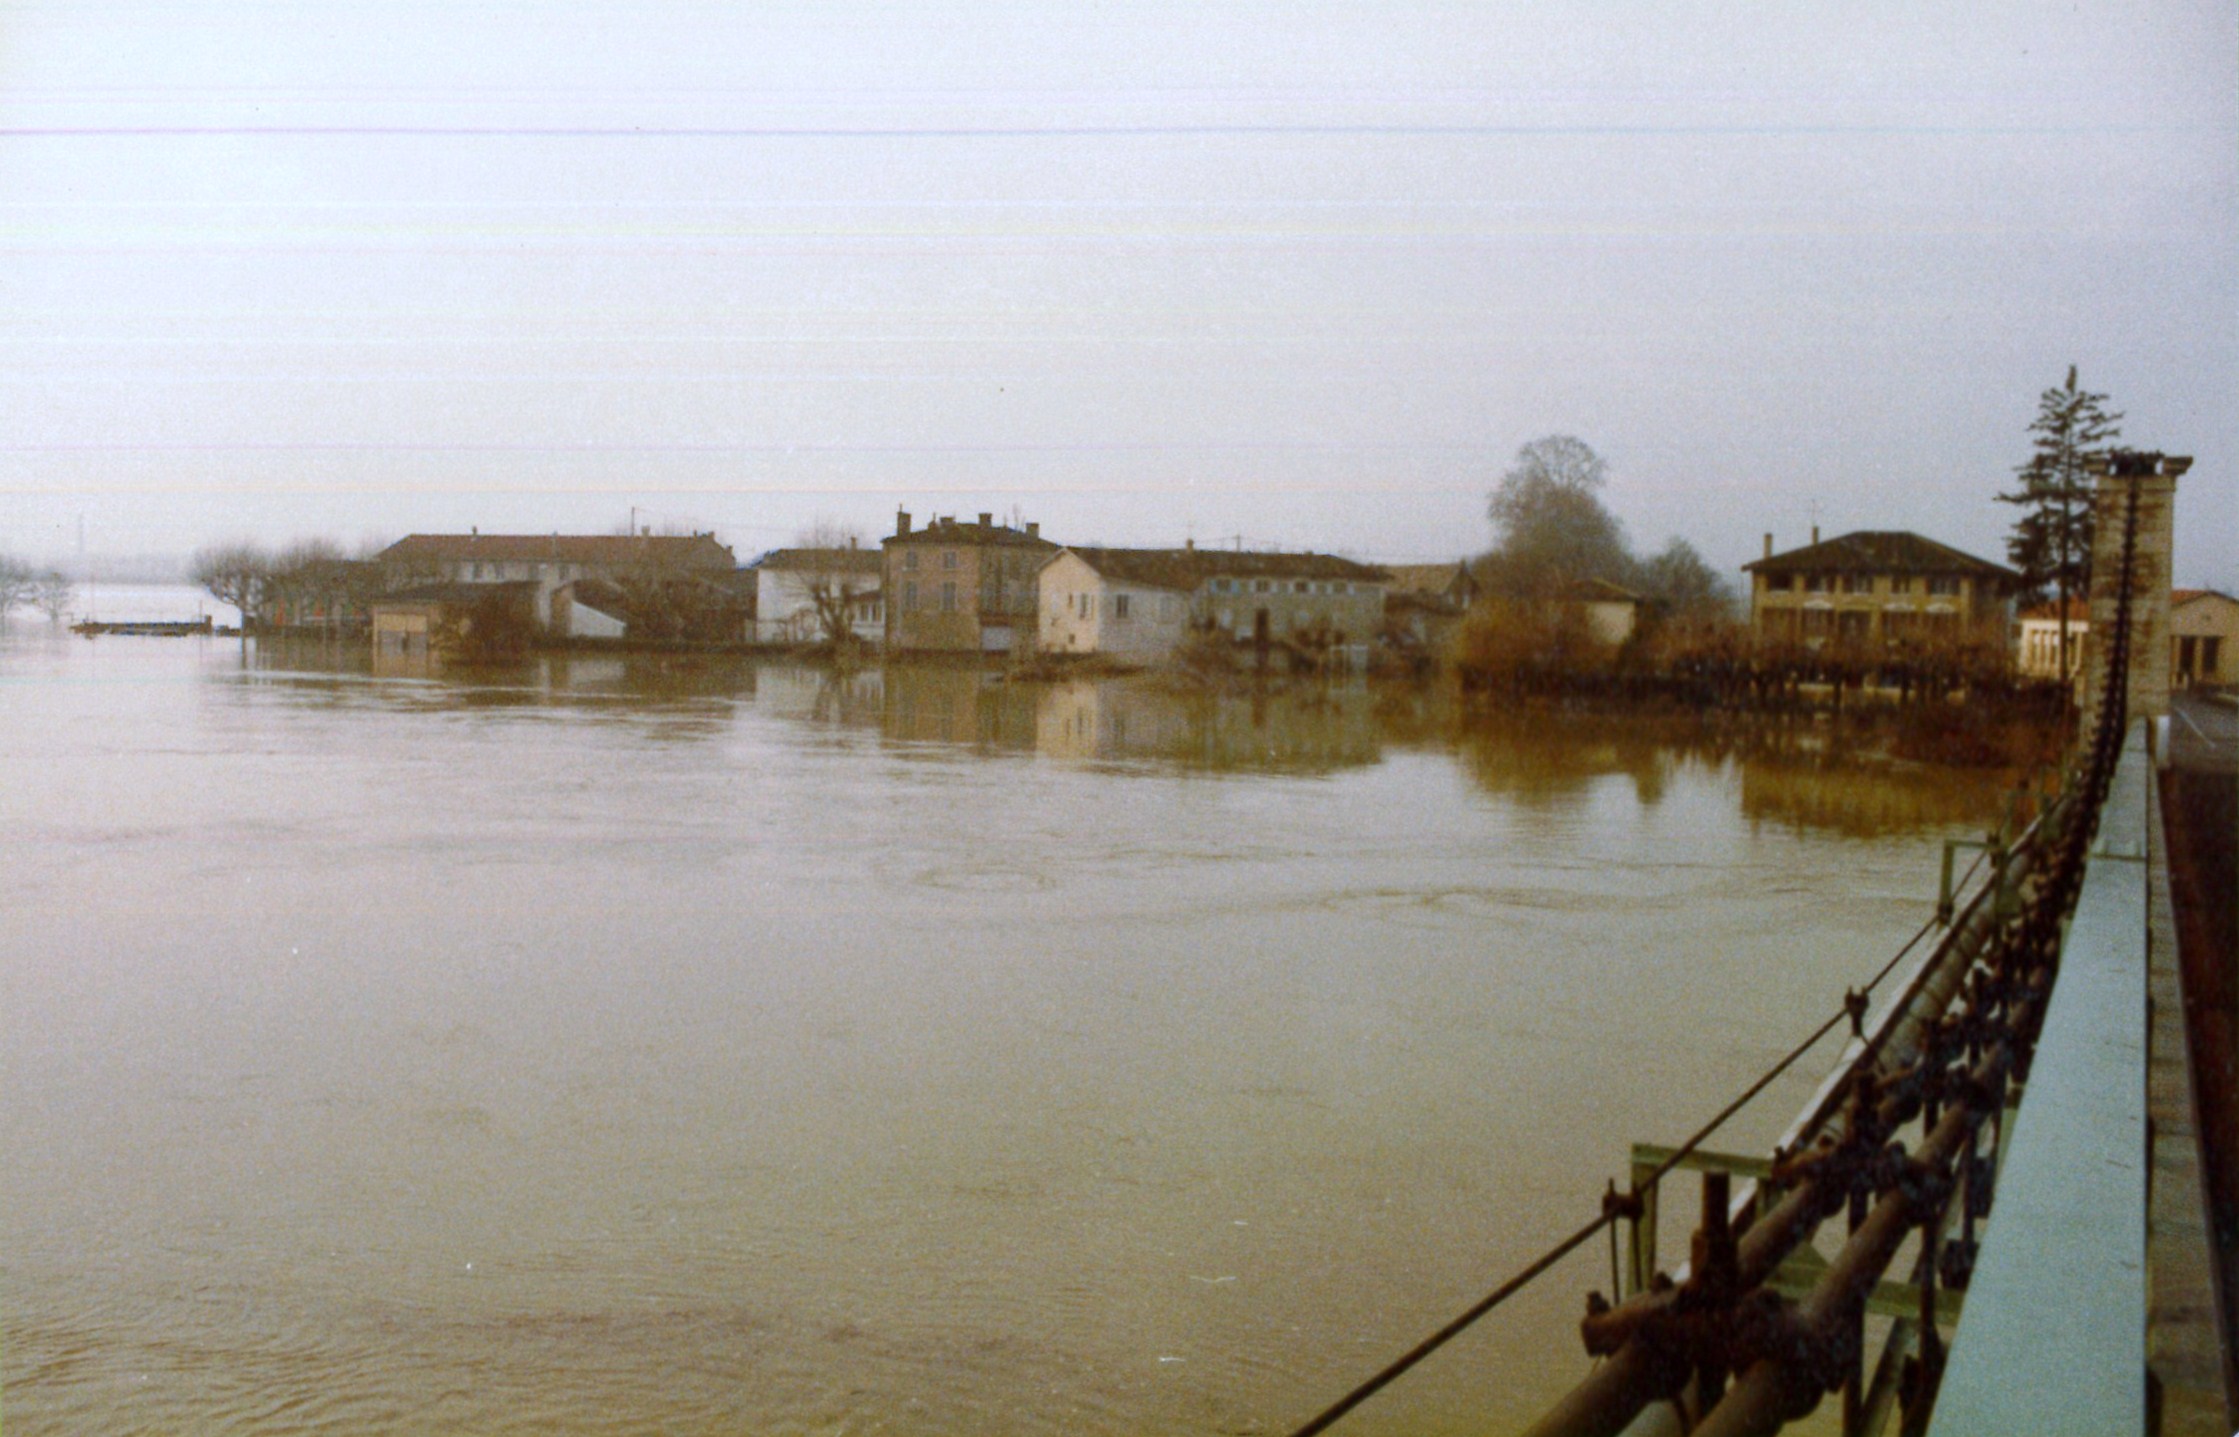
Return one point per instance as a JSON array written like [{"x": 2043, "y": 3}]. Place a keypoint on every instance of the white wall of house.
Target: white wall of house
[
  {"x": 1085, "y": 613},
  {"x": 1351, "y": 607},
  {"x": 2038, "y": 646},
  {"x": 785, "y": 612},
  {"x": 1611, "y": 621},
  {"x": 549, "y": 575},
  {"x": 581, "y": 621}
]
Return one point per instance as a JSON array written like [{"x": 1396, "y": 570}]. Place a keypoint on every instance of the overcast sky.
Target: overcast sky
[{"x": 1308, "y": 274}]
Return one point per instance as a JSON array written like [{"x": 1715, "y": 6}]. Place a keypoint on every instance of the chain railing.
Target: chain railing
[{"x": 1756, "y": 1328}]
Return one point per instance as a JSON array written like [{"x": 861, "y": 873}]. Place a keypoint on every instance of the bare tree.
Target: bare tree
[
  {"x": 837, "y": 573},
  {"x": 51, "y": 594},
  {"x": 16, "y": 584},
  {"x": 235, "y": 573},
  {"x": 1553, "y": 528}
]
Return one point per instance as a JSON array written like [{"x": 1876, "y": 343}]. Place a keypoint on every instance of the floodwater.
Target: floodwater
[{"x": 673, "y": 1045}]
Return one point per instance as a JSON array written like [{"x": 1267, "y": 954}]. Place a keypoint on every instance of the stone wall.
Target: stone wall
[{"x": 2155, "y": 478}]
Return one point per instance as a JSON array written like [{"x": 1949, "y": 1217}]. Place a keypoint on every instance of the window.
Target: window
[
  {"x": 1946, "y": 584},
  {"x": 1223, "y": 586},
  {"x": 1301, "y": 587},
  {"x": 477, "y": 571},
  {"x": 1900, "y": 583},
  {"x": 909, "y": 558},
  {"x": 909, "y": 595},
  {"x": 1815, "y": 583},
  {"x": 1119, "y": 606},
  {"x": 1263, "y": 586},
  {"x": 948, "y": 597},
  {"x": 1776, "y": 583},
  {"x": 948, "y": 558}
]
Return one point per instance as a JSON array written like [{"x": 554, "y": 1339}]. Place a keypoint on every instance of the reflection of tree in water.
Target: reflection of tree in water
[
  {"x": 1792, "y": 773},
  {"x": 1290, "y": 729},
  {"x": 1547, "y": 758},
  {"x": 822, "y": 693}
]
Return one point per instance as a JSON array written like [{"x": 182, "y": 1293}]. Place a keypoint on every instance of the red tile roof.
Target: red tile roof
[
  {"x": 1186, "y": 569},
  {"x": 1881, "y": 551},
  {"x": 846, "y": 561},
  {"x": 604, "y": 551}
]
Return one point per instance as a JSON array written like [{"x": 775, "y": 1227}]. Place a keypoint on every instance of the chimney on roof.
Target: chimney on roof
[
  {"x": 1034, "y": 530},
  {"x": 851, "y": 541},
  {"x": 1189, "y": 546},
  {"x": 1768, "y": 546},
  {"x": 901, "y": 522},
  {"x": 473, "y": 530},
  {"x": 986, "y": 518},
  {"x": 1815, "y": 533}
]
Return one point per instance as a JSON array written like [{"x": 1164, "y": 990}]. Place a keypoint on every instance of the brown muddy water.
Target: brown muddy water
[{"x": 684, "y": 1046}]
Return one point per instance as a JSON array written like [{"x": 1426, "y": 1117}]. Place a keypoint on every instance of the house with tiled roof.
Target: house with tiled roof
[
  {"x": 552, "y": 561},
  {"x": 960, "y": 587},
  {"x": 1140, "y": 603},
  {"x": 1453, "y": 585},
  {"x": 803, "y": 594},
  {"x": 1611, "y": 611},
  {"x": 1877, "y": 586},
  {"x": 2204, "y": 631}
]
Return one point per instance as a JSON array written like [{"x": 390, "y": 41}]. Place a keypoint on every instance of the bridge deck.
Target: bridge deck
[{"x": 2053, "y": 1340}]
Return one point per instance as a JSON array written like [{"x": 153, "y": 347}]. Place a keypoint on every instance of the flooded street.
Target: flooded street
[{"x": 662, "y": 1044}]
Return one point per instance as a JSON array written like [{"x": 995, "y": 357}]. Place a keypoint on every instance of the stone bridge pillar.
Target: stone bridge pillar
[{"x": 2155, "y": 476}]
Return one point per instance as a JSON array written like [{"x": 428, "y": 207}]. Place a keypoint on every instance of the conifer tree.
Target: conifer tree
[{"x": 2051, "y": 542}]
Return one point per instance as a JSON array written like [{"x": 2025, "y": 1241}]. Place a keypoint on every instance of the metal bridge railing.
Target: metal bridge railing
[{"x": 1902, "y": 1141}]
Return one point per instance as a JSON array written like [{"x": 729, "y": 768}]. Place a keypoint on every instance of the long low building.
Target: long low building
[
  {"x": 1140, "y": 604},
  {"x": 551, "y": 561}
]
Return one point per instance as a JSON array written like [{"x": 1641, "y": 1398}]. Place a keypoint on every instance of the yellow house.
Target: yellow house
[
  {"x": 2204, "y": 633},
  {"x": 1877, "y": 586}
]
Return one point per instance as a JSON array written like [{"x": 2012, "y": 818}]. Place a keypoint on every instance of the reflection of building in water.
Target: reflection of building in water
[
  {"x": 1110, "y": 720},
  {"x": 825, "y": 695},
  {"x": 1869, "y": 800},
  {"x": 948, "y": 703},
  {"x": 570, "y": 673},
  {"x": 1291, "y": 730},
  {"x": 399, "y": 663},
  {"x": 1787, "y": 775}
]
